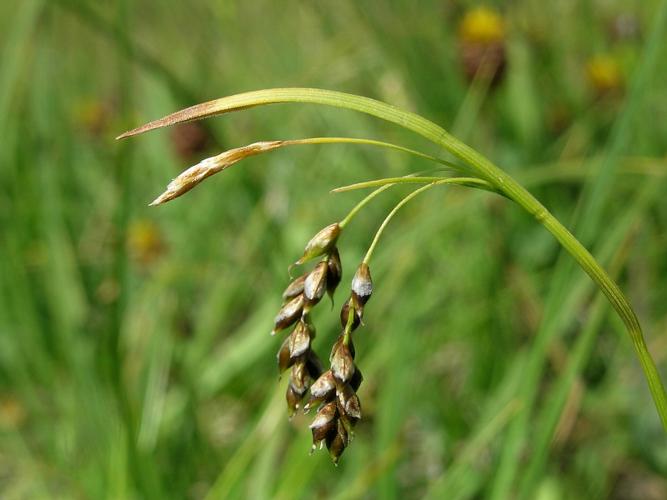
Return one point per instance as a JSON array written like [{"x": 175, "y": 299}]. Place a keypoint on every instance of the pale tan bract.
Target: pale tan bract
[{"x": 194, "y": 175}]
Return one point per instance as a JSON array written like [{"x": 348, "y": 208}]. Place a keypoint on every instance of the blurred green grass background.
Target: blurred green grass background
[{"x": 135, "y": 360}]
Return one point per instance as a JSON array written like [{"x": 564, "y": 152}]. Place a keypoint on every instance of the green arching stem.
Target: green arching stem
[{"x": 479, "y": 164}]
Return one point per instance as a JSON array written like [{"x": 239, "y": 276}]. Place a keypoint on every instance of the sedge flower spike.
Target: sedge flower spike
[{"x": 334, "y": 392}]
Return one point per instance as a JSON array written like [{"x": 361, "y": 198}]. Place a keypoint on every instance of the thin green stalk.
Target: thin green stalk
[
  {"x": 211, "y": 166},
  {"x": 371, "y": 142},
  {"x": 438, "y": 181},
  {"x": 480, "y": 165},
  {"x": 379, "y": 232},
  {"x": 415, "y": 179},
  {"x": 348, "y": 323},
  {"x": 361, "y": 205},
  {"x": 385, "y": 184}
]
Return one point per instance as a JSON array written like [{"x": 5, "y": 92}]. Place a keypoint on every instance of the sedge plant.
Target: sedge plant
[{"x": 333, "y": 391}]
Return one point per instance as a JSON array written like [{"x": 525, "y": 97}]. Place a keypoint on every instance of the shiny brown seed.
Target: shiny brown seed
[
  {"x": 294, "y": 288},
  {"x": 342, "y": 363},
  {"x": 321, "y": 433},
  {"x": 336, "y": 443},
  {"x": 339, "y": 342},
  {"x": 299, "y": 339},
  {"x": 324, "y": 426},
  {"x": 349, "y": 423},
  {"x": 325, "y": 415},
  {"x": 299, "y": 377},
  {"x": 323, "y": 386},
  {"x": 293, "y": 399},
  {"x": 321, "y": 243},
  {"x": 288, "y": 314},
  {"x": 348, "y": 402},
  {"x": 284, "y": 359},
  {"x": 315, "y": 285}
]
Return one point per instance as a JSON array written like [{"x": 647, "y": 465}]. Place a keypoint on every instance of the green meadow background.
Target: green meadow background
[{"x": 135, "y": 356}]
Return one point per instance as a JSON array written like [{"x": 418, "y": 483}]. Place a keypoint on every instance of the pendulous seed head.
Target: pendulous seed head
[{"x": 321, "y": 243}]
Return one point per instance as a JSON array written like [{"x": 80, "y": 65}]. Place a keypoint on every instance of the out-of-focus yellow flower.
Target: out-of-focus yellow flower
[
  {"x": 482, "y": 45},
  {"x": 482, "y": 25},
  {"x": 144, "y": 241},
  {"x": 604, "y": 75}
]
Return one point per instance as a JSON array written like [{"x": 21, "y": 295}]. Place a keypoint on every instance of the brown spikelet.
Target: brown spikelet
[
  {"x": 315, "y": 285},
  {"x": 321, "y": 243},
  {"x": 288, "y": 314},
  {"x": 324, "y": 385},
  {"x": 299, "y": 340},
  {"x": 294, "y": 288},
  {"x": 194, "y": 175},
  {"x": 283, "y": 356},
  {"x": 342, "y": 364}
]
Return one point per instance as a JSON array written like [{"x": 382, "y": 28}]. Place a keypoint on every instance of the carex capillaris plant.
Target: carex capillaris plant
[{"x": 332, "y": 392}]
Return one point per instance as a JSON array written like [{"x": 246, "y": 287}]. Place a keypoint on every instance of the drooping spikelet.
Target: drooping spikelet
[
  {"x": 209, "y": 166},
  {"x": 335, "y": 391},
  {"x": 300, "y": 296}
]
